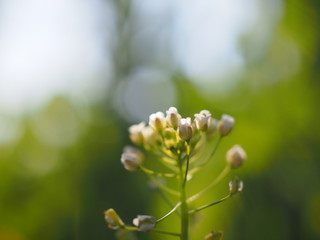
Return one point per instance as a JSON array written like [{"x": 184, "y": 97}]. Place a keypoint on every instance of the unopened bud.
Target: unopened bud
[
  {"x": 235, "y": 186},
  {"x": 201, "y": 120},
  {"x": 214, "y": 235},
  {"x": 157, "y": 121},
  {"x": 212, "y": 128},
  {"x": 136, "y": 133},
  {"x": 113, "y": 219},
  {"x": 131, "y": 158},
  {"x": 185, "y": 129},
  {"x": 173, "y": 117},
  {"x": 145, "y": 223},
  {"x": 225, "y": 125},
  {"x": 235, "y": 156}
]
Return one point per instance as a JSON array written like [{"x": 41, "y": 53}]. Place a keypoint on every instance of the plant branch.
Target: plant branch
[{"x": 209, "y": 205}]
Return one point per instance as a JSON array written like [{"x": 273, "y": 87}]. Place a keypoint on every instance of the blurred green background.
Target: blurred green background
[{"x": 256, "y": 60}]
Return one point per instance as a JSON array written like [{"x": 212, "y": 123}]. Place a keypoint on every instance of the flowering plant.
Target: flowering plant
[{"x": 179, "y": 144}]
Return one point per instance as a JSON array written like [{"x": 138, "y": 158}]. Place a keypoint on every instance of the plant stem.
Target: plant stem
[
  {"x": 209, "y": 205},
  {"x": 184, "y": 215},
  {"x": 183, "y": 197}
]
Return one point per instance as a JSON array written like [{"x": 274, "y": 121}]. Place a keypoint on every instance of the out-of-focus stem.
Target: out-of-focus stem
[
  {"x": 148, "y": 171},
  {"x": 163, "y": 187},
  {"x": 197, "y": 168}
]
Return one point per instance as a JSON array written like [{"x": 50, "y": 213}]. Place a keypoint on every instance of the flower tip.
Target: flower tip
[
  {"x": 225, "y": 125},
  {"x": 236, "y": 156},
  {"x": 144, "y": 223}
]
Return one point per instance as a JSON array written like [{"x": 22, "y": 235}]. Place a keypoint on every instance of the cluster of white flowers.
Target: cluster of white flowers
[
  {"x": 179, "y": 142},
  {"x": 168, "y": 131}
]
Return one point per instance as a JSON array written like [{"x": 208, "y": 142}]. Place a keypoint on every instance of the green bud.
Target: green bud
[
  {"x": 113, "y": 219},
  {"x": 235, "y": 186}
]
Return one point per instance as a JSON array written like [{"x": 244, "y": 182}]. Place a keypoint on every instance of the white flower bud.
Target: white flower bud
[
  {"x": 185, "y": 129},
  {"x": 131, "y": 159},
  {"x": 113, "y": 219},
  {"x": 132, "y": 150},
  {"x": 215, "y": 235},
  {"x": 201, "y": 120},
  {"x": 150, "y": 136},
  {"x": 136, "y": 133},
  {"x": 212, "y": 128},
  {"x": 173, "y": 117},
  {"x": 157, "y": 121},
  {"x": 235, "y": 186},
  {"x": 145, "y": 223},
  {"x": 235, "y": 156},
  {"x": 225, "y": 125}
]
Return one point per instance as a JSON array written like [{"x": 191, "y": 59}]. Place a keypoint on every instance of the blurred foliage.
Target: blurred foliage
[{"x": 60, "y": 169}]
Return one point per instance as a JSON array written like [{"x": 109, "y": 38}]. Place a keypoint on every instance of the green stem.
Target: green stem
[
  {"x": 183, "y": 197},
  {"x": 209, "y": 205},
  {"x": 211, "y": 185}
]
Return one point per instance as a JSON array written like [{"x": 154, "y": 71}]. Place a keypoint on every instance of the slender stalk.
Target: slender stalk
[
  {"x": 169, "y": 213},
  {"x": 224, "y": 172},
  {"x": 183, "y": 197},
  {"x": 184, "y": 216},
  {"x": 209, "y": 205}
]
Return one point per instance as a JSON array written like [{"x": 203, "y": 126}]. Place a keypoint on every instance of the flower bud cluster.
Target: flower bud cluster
[
  {"x": 185, "y": 146},
  {"x": 168, "y": 131}
]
